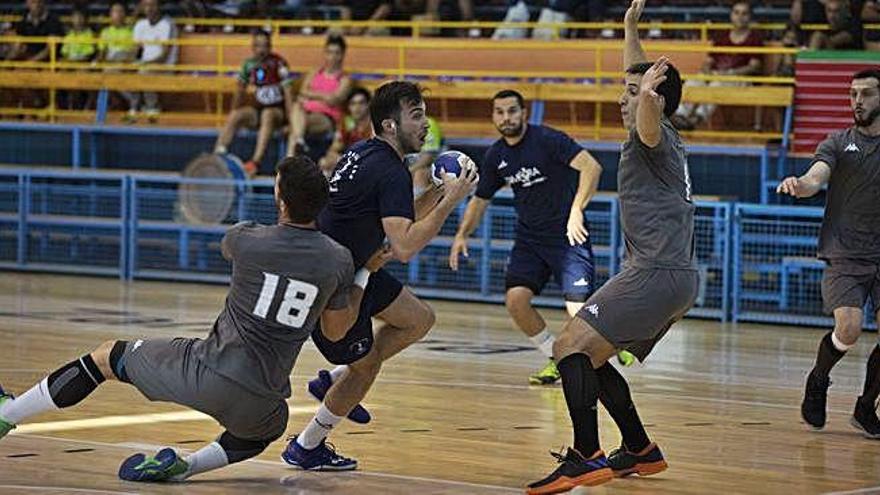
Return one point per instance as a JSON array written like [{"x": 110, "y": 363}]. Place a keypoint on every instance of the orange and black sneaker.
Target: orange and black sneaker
[
  {"x": 645, "y": 463},
  {"x": 574, "y": 470}
]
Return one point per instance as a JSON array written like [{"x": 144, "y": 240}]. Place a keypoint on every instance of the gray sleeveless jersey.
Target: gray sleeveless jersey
[
  {"x": 655, "y": 202},
  {"x": 283, "y": 277}
]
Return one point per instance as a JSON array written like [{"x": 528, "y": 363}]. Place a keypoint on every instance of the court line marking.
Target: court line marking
[
  {"x": 870, "y": 489},
  {"x": 374, "y": 474},
  {"x": 64, "y": 489},
  {"x": 127, "y": 420}
]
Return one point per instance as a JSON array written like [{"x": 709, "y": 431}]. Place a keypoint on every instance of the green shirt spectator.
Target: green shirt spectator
[
  {"x": 117, "y": 43},
  {"x": 78, "y": 46}
]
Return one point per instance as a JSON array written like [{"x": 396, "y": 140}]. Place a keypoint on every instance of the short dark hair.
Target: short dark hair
[
  {"x": 336, "y": 39},
  {"x": 81, "y": 10},
  {"x": 747, "y": 3},
  {"x": 670, "y": 89},
  {"x": 509, "y": 93},
  {"x": 302, "y": 188},
  {"x": 868, "y": 74},
  {"x": 359, "y": 90},
  {"x": 387, "y": 102},
  {"x": 121, "y": 4},
  {"x": 258, "y": 33}
]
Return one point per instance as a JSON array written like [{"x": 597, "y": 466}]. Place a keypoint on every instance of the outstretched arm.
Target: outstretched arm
[
  {"x": 808, "y": 184},
  {"x": 632, "y": 48},
  {"x": 650, "y": 109}
]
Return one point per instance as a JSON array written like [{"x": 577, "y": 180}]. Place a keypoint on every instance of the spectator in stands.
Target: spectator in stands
[
  {"x": 871, "y": 15},
  {"x": 406, "y": 10},
  {"x": 689, "y": 115},
  {"x": 355, "y": 127},
  {"x": 808, "y": 12},
  {"x": 845, "y": 28},
  {"x": 787, "y": 61},
  {"x": 318, "y": 108},
  {"x": 38, "y": 21},
  {"x": 116, "y": 44},
  {"x": 420, "y": 164},
  {"x": 268, "y": 72},
  {"x": 78, "y": 45},
  {"x": 152, "y": 33}
]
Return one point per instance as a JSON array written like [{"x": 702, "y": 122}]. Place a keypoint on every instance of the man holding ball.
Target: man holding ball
[{"x": 553, "y": 179}]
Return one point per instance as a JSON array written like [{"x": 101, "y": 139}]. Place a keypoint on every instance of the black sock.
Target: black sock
[
  {"x": 581, "y": 387},
  {"x": 615, "y": 396},
  {"x": 827, "y": 357},
  {"x": 872, "y": 378},
  {"x": 74, "y": 381},
  {"x": 239, "y": 449}
]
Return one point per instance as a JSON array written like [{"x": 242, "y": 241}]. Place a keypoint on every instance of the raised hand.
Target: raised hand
[
  {"x": 654, "y": 77},
  {"x": 634, "y": 12}
]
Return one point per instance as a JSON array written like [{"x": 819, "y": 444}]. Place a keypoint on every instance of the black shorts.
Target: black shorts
[
  {"x": 635, "y": 309},
  {"x": 380, "y": 292},
  {"x": 848, "y": 283},
  {"x": 531, "y": 264}
]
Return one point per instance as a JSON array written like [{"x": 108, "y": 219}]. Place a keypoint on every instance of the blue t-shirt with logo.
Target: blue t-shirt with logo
[
  {"x": 544, "y": 185},
  {"x": 370, "y": 183}
]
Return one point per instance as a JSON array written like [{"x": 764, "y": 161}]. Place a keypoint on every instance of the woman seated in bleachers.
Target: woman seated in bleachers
[{"x": 318, "y": 108}]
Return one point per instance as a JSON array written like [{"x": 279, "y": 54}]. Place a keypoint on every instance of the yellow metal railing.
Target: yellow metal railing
[{"x": 402, "y": 46}]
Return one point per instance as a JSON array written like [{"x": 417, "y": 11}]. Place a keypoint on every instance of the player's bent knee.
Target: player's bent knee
[
  {"x": 518, "y": 298},
  {"x": 101, "y": 357},
  {"x": 239, "y": 449}
]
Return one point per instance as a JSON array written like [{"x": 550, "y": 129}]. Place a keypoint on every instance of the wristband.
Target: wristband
[{"x": 361, "y": 278}]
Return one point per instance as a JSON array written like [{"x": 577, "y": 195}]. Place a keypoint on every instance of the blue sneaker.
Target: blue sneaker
[
  {"x": 166, "y": 464},
  {"x": 5, "y": 426},
  {"x": 321, "y": 458},
  {"x": 318, "y": 389}
]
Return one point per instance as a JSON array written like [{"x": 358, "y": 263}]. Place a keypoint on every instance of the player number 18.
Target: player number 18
[{"x": 294, "y": 308}]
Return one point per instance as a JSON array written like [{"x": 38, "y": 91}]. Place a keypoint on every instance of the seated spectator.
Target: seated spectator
[
  {"x": 78, "y": 45},
  {"x": 871, "y": 15},
  {"x": 116, "y": 44},
  {"x": 420, "y": 164},
  {"x": 38, "y": 21},
  {"x": 153, "y": 28},
  {"x": 808, "y": 12},
  {"x": 318, "y": 108},
  {"x": 787, "y": 61},
  {"x": 689, "y": 115},
  {"x": 270, "y": 76},
  {"x": 405, "y": 10},
  {"x": 355, "y": 127},
  {"x": 844, "y": 28}
]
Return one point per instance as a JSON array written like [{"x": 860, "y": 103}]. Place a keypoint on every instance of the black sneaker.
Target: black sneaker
[
  {"x": 645, "y": 463},
  {"x": 815, "y": 398},
  {"x": 574, "y": 470},
  {"x": 864, "y": 419}
]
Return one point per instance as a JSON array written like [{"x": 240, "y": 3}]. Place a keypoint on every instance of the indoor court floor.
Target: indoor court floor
[{"x": 453, "y": 414}]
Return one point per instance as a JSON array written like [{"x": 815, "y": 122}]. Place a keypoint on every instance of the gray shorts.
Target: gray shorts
[
  {"x": 848, "y": 283},
  {"x": 637, "y": 306},
  {"x": 165, "y": 370}
]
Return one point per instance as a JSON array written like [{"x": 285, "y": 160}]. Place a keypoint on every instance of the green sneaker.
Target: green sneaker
[
  {"x": 5, "y": 426},
  {"x": 547, "y": 376},
  {"x": 164, "y": 466},
  {"x": 626, "y": 358}
]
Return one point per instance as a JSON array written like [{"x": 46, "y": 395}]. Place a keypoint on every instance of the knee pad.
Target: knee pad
[
  {"x": 117, "y": 363},
  {"x": 239, "y": 449}
]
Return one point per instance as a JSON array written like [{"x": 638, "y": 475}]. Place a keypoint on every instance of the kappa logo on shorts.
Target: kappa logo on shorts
[
  {"x": 852, "y": 147},
  {"x": 136, "y": 344},
  {"x": 360, "y": 347},
  {"x": 593, "y": 309},
  {"x": 583, "y": 282}
]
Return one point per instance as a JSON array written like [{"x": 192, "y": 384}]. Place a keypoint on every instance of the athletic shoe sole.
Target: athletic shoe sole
[
  {"x": 322, "y": 467},
  {"x": 865, "y": 433},
  {"x": 565, "y": 484},
  {"x": 643, "y": 469}
]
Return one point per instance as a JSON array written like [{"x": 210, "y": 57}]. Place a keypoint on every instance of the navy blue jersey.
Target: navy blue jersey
[
  {"x": 370, "y": 183},
  {"x": 544, "y": 185}
]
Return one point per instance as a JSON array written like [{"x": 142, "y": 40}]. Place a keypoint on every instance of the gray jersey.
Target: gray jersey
[
  {"x": 655, "y": 202},
  {"x": 283, "y": 277},
  {"x": 851, "y": 227}
]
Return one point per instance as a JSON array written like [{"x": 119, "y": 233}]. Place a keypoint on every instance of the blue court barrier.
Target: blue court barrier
[{"x": 757, "y": 262}]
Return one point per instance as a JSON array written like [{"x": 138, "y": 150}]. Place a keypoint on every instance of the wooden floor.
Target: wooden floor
[{"x": 451, "y": 415}]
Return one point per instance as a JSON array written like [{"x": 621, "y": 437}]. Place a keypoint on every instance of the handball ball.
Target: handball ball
[{"x": 450, "y": 163}]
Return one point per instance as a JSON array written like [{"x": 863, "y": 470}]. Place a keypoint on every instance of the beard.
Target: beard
[
  {"x": 868, "y": 120},
  {"x": 513, "y": 131}
]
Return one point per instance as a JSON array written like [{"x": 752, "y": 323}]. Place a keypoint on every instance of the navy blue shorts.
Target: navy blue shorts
[
  {"x": 532, "y": 263},
  {"x": 381, "y": 291}
]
